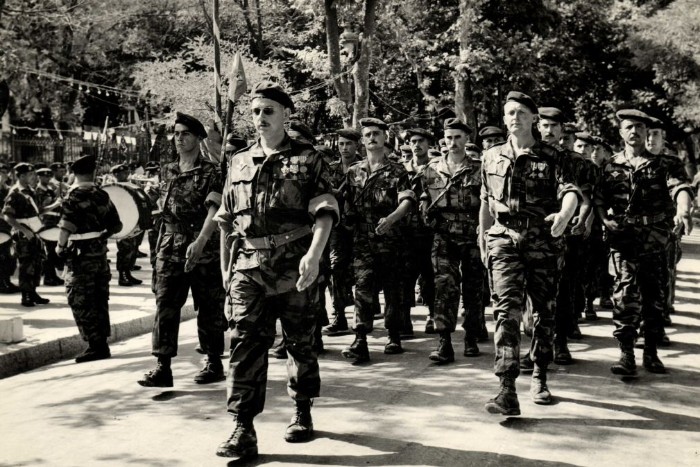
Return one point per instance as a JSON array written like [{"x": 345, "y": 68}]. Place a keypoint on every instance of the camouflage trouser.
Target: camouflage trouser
[
  {"x": 208, "y": 295},
  {"x": 418, "y": 262},
  {"x": 87, "y": 287},
  {"x": 29, "y": 257},
  {"x": 597, "y": 282},
  {"x": 523, "y": 262},
  {"x": 377, "y": 266},
  {"x": 126, "y": 253},
  {"x": 639, "y": 294},
  {"x": 674, "y": 256},
  {"x": 253, "y": 313},
  {"x": 457, "y": 265},
  {"x": 570, "y": 299},
  {"x": 7, "y": 261},
  {"x": 341, "y": 268}
]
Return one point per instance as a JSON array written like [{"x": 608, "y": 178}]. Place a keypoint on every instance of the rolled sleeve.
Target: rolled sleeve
[
  {"x": 213, "y": 199},
  {"x": 324, "y": 204},
  {"x": 565, "y": 188},
  {"x": 407, "y": 194}
]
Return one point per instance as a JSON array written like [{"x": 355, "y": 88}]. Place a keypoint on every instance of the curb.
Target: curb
[{"x": 67, "y": 348}]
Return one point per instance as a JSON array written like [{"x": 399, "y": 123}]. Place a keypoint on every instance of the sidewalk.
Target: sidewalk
[{"x": 50, "y": 333}]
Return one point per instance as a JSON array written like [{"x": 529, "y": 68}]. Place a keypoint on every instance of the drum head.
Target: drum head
[
  {"x": 4, "y": 237},
  {"x": 126, "y": 206},
  {"x": 50, "y": 234}
]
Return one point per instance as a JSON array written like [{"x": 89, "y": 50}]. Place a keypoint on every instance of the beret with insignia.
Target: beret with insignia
[
  {"x": 349, "y": 133},
  {"x": 192, "y": 124},
  {"x": 456, "y": 124},
  {"x": 23, "y": 168},
  {"x": 552, "y": 113},
  {"x": 522, "y": 98},
  {"x": 368, "y": 122},
  {"x": 274, "y": 92},
  {"x": 633, "y": 114},
  {"x": 491, "y": 131}
]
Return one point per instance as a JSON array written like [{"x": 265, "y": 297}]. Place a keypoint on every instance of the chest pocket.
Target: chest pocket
[
  {"x": 241, "y": 182},
  {"x": 471, "y": 189},
  {"x": 288, "y": 190},
  {"x": 539, "y": 181},
  {"x": 384, "y": 192},
  {"x": 496, "y": 175},
  {"x": 435, "y": 187}
]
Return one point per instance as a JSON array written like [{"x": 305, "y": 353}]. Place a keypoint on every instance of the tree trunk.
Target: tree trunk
[
  {"x": 340, "y": 83},
  {"x": 256, "y": 44},
  {"x": 259, "y": 36},
  {"x": 464, "y": 97},
  {"x": 361, "y": 69}
]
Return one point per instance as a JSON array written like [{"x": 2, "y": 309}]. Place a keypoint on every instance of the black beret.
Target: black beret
[
  {"x": 85, "y": 165},
  {"x": 325, "y": 150},
  {"x": 4, "y": 167},
  {"x": 601, "y": 142},
  {"x": 45, "y": 172},
  {"x": 456, "y": 124},
  {"x": 569, "y": 129},
  {"x": 192, "y": 124},
  {"x": 655, "y": 123},
  {"x": 445, "y": 112},
  {"x": 57, "y": 165},
  {"x": 434, "y": 153},
  {"x": 586, "y": 137},
  {"x": 633, "y": 114},
  {"x": 119, "y": 168},
  {"x": 134, "y": 165},
  {"x": 301, "y": 128},
  {"x": 552, "y": 113},
  {"x": 23, "y": 168},
  {"x": 524, "y": 99},
  {"x": 472, "y": 147},
  {"x": 349, "y": 133},
  {"x": 419, "y": 132},
  {"x": 366, "y": 122},
  {"x": 491, "y": 131},
  {"x": 274, "y": 92}
]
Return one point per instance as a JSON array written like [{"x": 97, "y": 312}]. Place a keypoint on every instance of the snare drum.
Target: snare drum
[{"x": 134, "y": 208}]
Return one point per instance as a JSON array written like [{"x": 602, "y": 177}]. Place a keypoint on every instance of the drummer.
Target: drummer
[
  {"x": 21, "y": 203},
  {"x": 126, "y": 247},
  {"x": 48, "y": 206},
  {"x": 7, "y": 261}
]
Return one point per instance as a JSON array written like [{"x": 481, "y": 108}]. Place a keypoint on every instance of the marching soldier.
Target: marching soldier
[
  {"x": 449, "y": 202},
  {"x": 7, "y": 261},
  {"x": 87, "y": 210},
  {"x": 529, "y": 193},
  {"x": 275, "y": 218},
  {"x": 377, "y": 197},
  {"x": 20, "y": 204},
  {"x": 187, "y": 257},
  {"x": 640, "y": 198}
]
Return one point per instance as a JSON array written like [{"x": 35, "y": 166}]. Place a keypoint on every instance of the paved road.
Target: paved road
[{"x": 399, "y": 410}]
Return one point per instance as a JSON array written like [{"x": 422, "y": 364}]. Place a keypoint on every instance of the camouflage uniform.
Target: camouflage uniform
[
  {"x": 453, "y": 201},
  {"x": 88, "y": 208},
  {"x": 417, "y": 255},
  {"x": 523, "y": 257},
  {"x": 370, "y": 196},
  {"x": 22, "y": 203},
  {"x": 185, "y": 199},
  {"x": 126, "y": 252},
  {"x": 340, "y": 243},
  {"x": 7, "y": 260},
  {"x": 641, "y": 200},
  {"x": 268, "y": 207}
]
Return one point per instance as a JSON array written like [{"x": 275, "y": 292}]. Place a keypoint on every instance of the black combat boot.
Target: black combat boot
[
  {"x": 538, "y": 387},
  {"x": 589, "y": 311},
  {"x": 393, "y": 346},
  {"x": 7, "y": 287},
  {"x": 160, "y": 377},
  {"x": 317, "y": 345},
  {"x": 575, "y": 331},
  {"x": 626, "y": 366},
  {"x": 141, "y": 254},
  {"x": 243, "y": 442},
  {"x": 650, "y": 359},
  {"x": 606, "y": 302},
  {"x": 444, "y": 352},
  {"x": 125, "y": 279},
  {"x": 471, "y": 349},
  {"x": 562, "y": 355},
  {"x": 52, "y": 280},
  {"x": 339, "y": 326},
  {"x": 97, "y": 350},
  {"x": 132, "y": 279},
  {"x": 358, "y": 351},
  {"x": 301, "y": 428},
  {"x": 506, "y": 401},
  {"x": 37, "y": 299},
  {"x": 279, "y": 351},
  {"x": 212, "y": 372},
  {"x": 27, "y": 299}
]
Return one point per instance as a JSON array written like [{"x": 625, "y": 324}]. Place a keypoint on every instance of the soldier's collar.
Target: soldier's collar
[{"x": 257, "y": 150}]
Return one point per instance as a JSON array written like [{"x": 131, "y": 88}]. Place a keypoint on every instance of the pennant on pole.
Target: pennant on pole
[{"x": 237, "y": 84}]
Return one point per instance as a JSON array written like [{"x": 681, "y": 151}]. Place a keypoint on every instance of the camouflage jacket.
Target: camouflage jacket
[
  {"x": 87, "y": 208},
  {"x": 626, "y": 193},
  {"x": 185, "y": 198},
  {"x": 21, "y": 203},
  {"x": 274, "y": 194},
  {"x": 371, "y": 196},
  {"x": 47, "y": 195},
  {"x": 337, "y": 176},
  {"x": 531, "y": 184},
  {"x": 414, "y": 222},
  {"x": 453, "y": 200}
]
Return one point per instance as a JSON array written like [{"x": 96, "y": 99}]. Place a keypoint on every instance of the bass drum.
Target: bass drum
[{"x": 134, "y": 208}]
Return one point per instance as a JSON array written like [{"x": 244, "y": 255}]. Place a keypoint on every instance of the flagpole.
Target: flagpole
[{"x": 217, "y": 57}]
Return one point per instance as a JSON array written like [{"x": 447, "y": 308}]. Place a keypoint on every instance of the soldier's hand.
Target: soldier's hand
[
  {"x": 589, "y": 227},
  {"x": 683, "y": 223},
  {"x": 559, "y": 223},
  {"x": 308, "y": 271},
  {"x": 194, "y": 252},
  {"x": 26, "y": 231},
  {"x": 384, "y": 225},
  {"x": 611, "y": 225}
]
